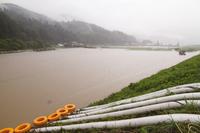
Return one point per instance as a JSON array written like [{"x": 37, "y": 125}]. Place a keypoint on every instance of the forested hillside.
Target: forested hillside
[
  {"x": 24, "y": 29},
  {"x": 29, "y": 34}
]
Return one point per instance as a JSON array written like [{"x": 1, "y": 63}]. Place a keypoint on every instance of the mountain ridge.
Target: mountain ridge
[{"x": 22, "y": 24}]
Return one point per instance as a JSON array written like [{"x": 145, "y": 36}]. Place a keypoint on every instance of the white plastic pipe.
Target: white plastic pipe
[
  {"x": 196, "y": 85},
  {"x": 139, "y": 110},
  {"x": 161, "y": 92},
  {"x": 135, "y": 122},
  {"x": 143, "y": 97},
  {"x": 184, "y": 96}
]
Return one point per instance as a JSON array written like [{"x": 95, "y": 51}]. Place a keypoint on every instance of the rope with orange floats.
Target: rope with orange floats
[
  {"x": 42, "y": 120},
  {"x": 71, "y": 108},
  {"x": 23, "y": 128},
  {"x": 7, "y": 130}
]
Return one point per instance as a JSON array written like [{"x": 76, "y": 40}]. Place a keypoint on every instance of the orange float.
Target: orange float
[
  {"x": 62, "y": 111},
  {"x": 54, "y": 116},
  {"x": 7, "y": 130},
  {"x": 23, "y": 128},
  {"x": 40, "y": 121},
  {"x": 71, "y": 107}
]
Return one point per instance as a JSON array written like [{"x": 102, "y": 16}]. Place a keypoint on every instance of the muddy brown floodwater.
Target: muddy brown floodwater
[{"x": 37, "y": 83}]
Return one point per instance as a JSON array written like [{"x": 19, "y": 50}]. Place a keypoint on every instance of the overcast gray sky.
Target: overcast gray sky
[{"x": 164, "y": 20}]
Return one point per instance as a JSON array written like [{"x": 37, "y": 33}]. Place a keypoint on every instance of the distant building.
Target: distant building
[
  {"x": 77, "y": 44},
  {"x": 73, "y": 44},
  {"x": 60, "y": 45}
]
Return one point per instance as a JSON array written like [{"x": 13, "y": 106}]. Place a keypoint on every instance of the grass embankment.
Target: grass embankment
[{"x": 182, "y": 73}]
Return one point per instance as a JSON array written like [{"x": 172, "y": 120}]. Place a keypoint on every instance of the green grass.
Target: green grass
[{"x": 182, "y": 73}]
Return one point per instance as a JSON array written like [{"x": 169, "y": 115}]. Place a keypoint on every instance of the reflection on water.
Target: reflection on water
[{"x": 37, "y": 83}]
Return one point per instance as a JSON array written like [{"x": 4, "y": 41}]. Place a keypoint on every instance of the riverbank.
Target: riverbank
[
  {"x": 27, "y": 50},
  {"x": 192, "y": 48},
  {"x": 186, "y": 72},
  {"x": 183, "y": 73},
  {"x": 87, "y": 47}
]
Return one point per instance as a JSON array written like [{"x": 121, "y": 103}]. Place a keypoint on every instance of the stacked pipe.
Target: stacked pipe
[
  {"x": 171, "y": 98},
  {"x": 176, "y": 89},
  {"x": 126, "y": 123}
]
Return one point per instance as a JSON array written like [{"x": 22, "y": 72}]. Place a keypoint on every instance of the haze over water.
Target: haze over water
[{"x": 37, "y": 83}]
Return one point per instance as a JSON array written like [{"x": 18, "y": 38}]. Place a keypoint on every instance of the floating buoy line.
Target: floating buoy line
[
  {"x": 42, "y": 121},
  {"x": 170, "y": 98}
]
